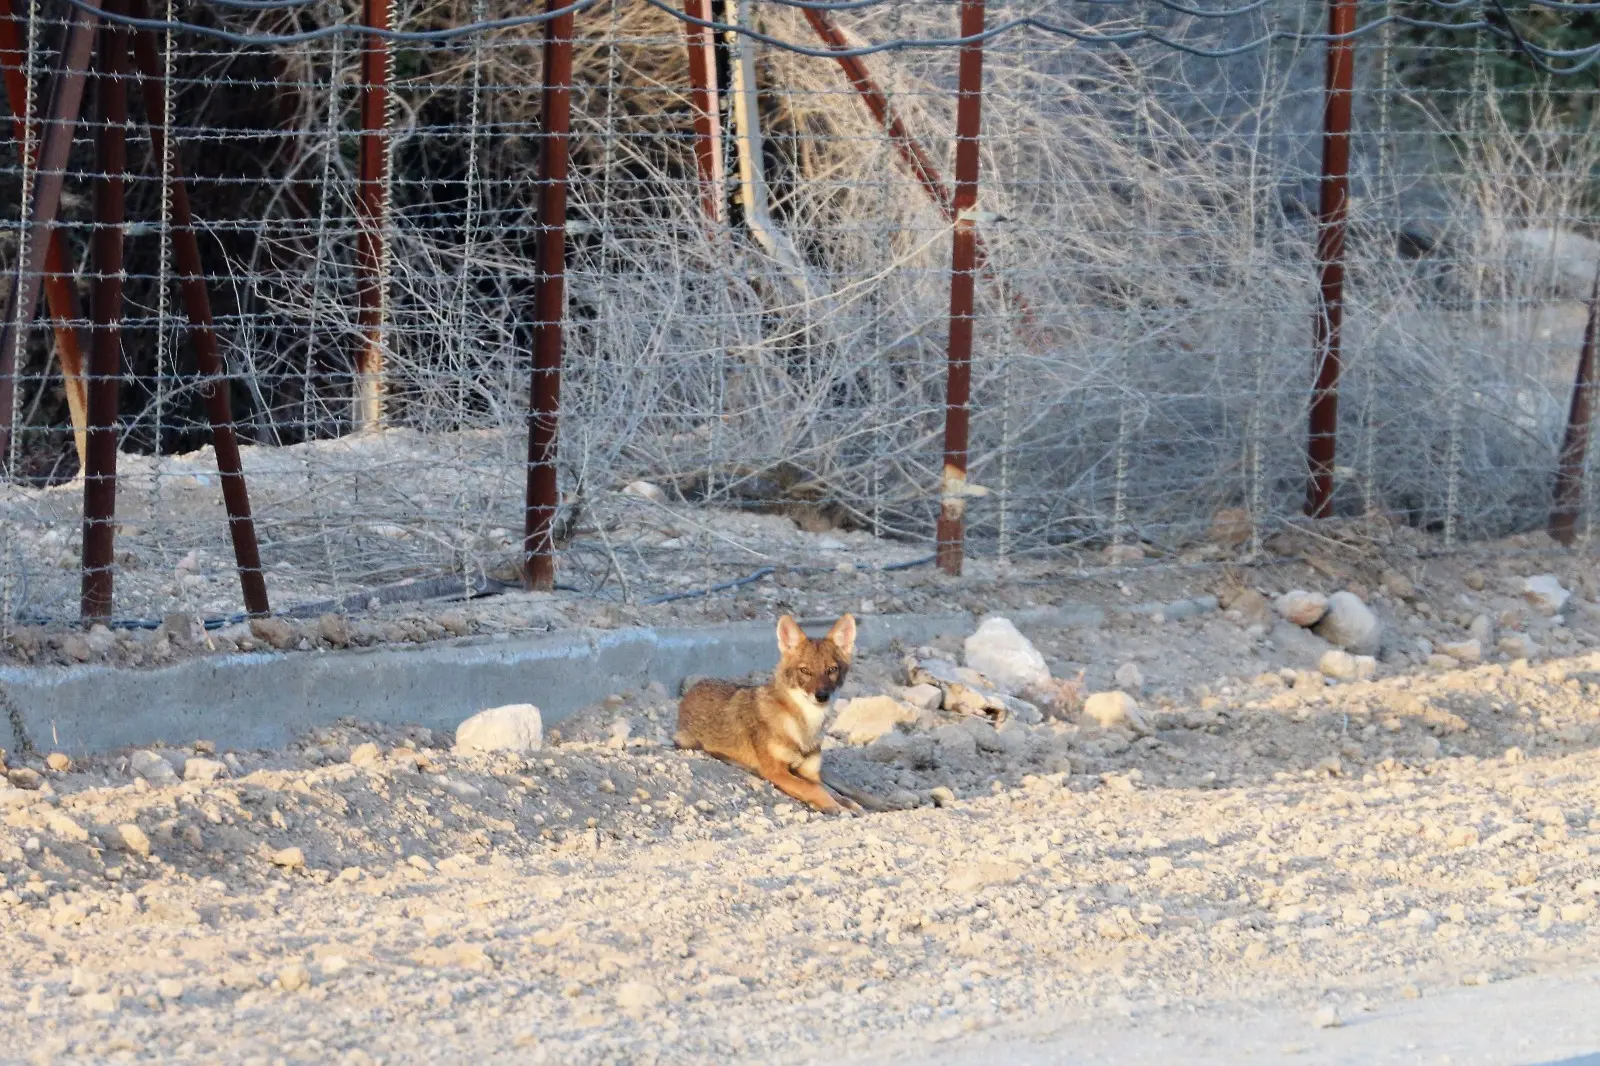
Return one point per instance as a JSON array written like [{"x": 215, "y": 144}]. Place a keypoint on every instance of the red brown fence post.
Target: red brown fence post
[
  {"x": 105, "y": 354},
  {"x": 197, "y": 305},
  {"x": 1575, "y": 442},
  {"x": 60, "y": 295},
  {"x": 963, "y": 268},
  {"x": 550, "y": 302},
  {"x": 372, "y": 210},
  {"x": 702, "y": 42},
  {"x": 1322, "y": 444},
  {"x": 60, "y": 119}
]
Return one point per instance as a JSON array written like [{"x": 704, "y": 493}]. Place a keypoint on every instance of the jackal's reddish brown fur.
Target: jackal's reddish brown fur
[{"x": 774, "y": 730}]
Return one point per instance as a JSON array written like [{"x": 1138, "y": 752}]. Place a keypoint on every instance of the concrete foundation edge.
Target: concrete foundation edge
[{"x": 263, "y": 700}]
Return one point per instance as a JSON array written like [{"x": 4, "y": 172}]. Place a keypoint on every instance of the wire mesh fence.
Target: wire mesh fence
[{"x": 341, "y": 253}]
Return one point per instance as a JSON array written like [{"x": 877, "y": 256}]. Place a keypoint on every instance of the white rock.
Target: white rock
[
  {"x": 1466, "y": 651},
  {"x": 516, "y": 727},
  {"x": 294, "y": 977},
  {"x": 1350, "y": 624},
  {"x": 204, "y": 770},
  {"x": 1111, "y": 710},
  {"x": 1327, "y": 1018},
  {"x": 1482, "y": 630},
  {"x": 1544, "y": 591},
  {"x": 130, "y": 838},
  {"x": 153, "y": 768},
  {"x": 922, "y": 697},
  {"x": 864, "y": 720},
  {"x": 1517, "y": 646},
  {"x": 1304, "y": 609},
  {"x": 645, "y": 491},
  {"x": 1005, "y": 656},
  {"x": 1130, "y": 678},
  {"x": 637, "y": 995},
  {"x": 365, "y": 754},
  {"x": 1342, "y": 666}
]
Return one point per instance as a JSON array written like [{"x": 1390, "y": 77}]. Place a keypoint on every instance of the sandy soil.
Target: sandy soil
[{"x": 1270, "y": 842}]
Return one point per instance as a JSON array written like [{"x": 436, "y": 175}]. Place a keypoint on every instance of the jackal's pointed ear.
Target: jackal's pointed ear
[
  {"x": 790, "y": 635},
  {"x": 843, "y": 634}
]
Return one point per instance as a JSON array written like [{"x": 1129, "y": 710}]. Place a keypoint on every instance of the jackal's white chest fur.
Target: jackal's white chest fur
[{"x": 811, "y": 715}]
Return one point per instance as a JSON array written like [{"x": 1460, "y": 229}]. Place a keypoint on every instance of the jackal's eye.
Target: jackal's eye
[{"x": 805, "y": 675}]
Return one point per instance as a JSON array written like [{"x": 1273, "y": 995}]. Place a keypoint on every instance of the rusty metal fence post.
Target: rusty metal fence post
[
  {"x": 60, "y": 295},
  {"x": 60, "y": 119},
  {"x": 550, "y": 301},
  {"x": 197, "y": 305},
  {"x": 1568, "y": 496},
  {"x": 372, "y": 210},
  {"x": 105, "y": 355},
  {"x": 702, "y": 41},
  {"x": 954, "y": 491},
  {"x": 1322, "y": 445}
]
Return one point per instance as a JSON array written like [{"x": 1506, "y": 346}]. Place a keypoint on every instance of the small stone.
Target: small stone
[
  {"x": 204, "y": 770},
  {"x": 1398, "y": 585},
  {"x": 184, "y": 630},
  {"x": 365, "y": 754},
  {"x": 1350, "y": 624},
  {"x": 864, "y": 720},
  {"x": 1466, "y": 651},
  {"x": 277, "y": 632},
  {"x": 1327, "y": 1018},
  {"x": 1304, "y": 609},
  {"x": 942, "y": 796},
  {"x": 1517, "y": 646},
  {"x": 25, "y": 778},
  {"x": 1462, "y": 836},
  {"x": 131, "y": 839},
  {"x": 333, "y": 965},
  {"x": 1160, "y": 866},
  {"x": 1342, "y": 666},
  {"x": 335, "y": 629},
  {"x": 153, "y": 768},
  {"x": 103, "y": 1002},
  {"x": 1474, "y": 580},
  {"x": 637, "y": 995},
  {"x": 644, "y": 490},
  {"x": 1410, "y": 992},
  {"x": 294, "y": 977},
  {"x": 1481, "y": 629},
  {"x": 517, "y": 727},
  {"x": 1111, "y": 710},
  {"x": 1005, "y": 657},
  {"x": 59, "y": 762},
  {"x": 456, "y": 623},
  {"x": 922, "y": 697},
  {"x": 289, "y": 858},
  {"x": 169, "y": 988},
  {"x": 1544, "y": 591},
  {"x": 1129, "y": 678},
  {"x": 76, "y": 648},
  {"x": 1575, "y": 912}
]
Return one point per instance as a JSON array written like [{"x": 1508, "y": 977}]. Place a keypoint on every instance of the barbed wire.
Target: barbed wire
[{"x": 1582, "y": 58}]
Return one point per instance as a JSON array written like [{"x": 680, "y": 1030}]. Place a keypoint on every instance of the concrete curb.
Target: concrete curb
[{"x": 263, "y": 700}]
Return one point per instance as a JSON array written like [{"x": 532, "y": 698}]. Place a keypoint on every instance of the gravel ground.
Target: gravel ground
[{"x": 1269, "y": 853}]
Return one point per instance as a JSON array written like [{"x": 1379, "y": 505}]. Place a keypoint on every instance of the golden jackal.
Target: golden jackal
[{"x": 775, "y": 729}]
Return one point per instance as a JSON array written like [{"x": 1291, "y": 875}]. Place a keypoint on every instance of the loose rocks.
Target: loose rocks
[
  {"x": 517, "y": 727},
  {"x": 1005, "y": 656},
  {"x": 1350, "y": 624},
  {"x": 864, "y": 720},
  {"x": 1304, "y": 609}
]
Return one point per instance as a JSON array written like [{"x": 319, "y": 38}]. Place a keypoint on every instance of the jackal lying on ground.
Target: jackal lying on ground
[{"x": 775, "y": 729}]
